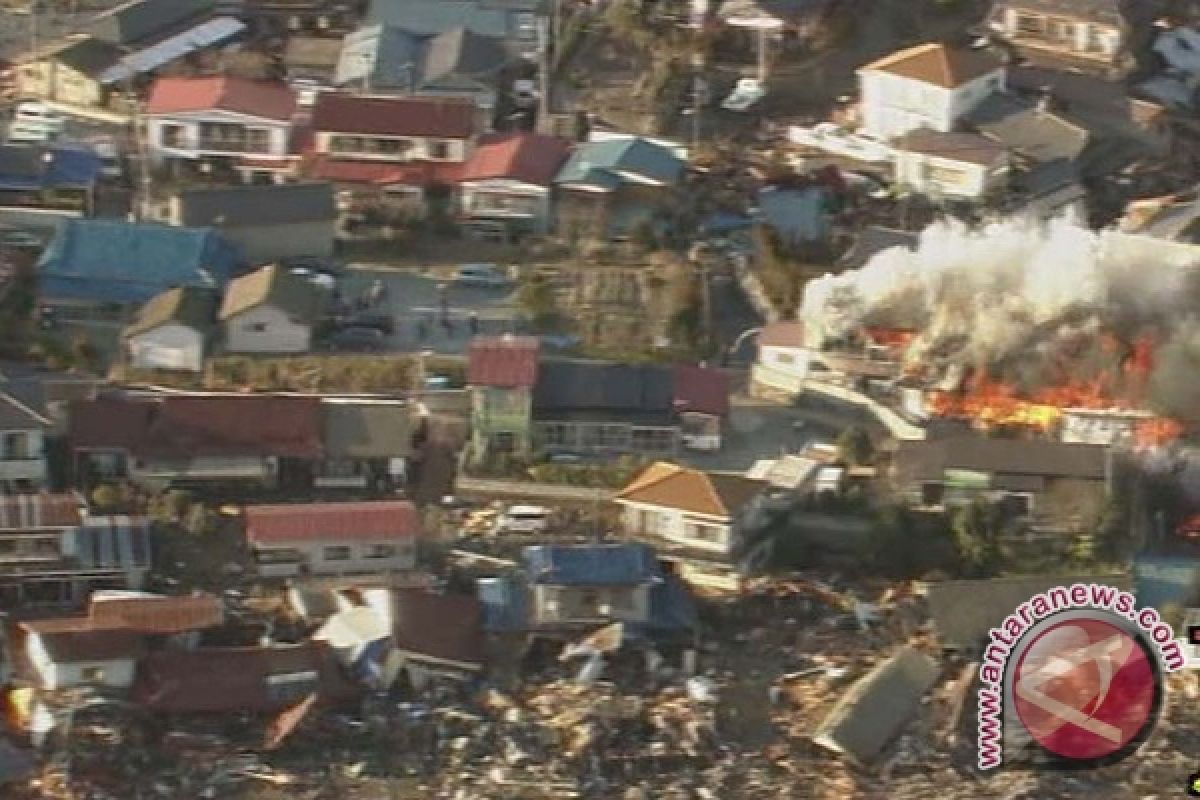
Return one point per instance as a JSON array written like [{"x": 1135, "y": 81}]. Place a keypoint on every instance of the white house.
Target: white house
[
  {"x": 956, "y": 165},
  {"x": 270, "y": 311},
  {"x": 1085, "y": 32},
  {"x": 700, "y": 520},
  {"x": 222, "y": 118},
  {"x": 172, "y": 330},
  {"x": 22, "y": 448},
  {"x": 506, "y": 182},
  {"x": 783, "y": 360},
  {"x": 368, "y": 538},
  {"x": 65, "y": 653},
  {"x": 927, "y": 86}
]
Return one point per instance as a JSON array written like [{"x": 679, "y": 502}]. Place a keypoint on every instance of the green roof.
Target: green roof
[{"x": 189, "y": 306}]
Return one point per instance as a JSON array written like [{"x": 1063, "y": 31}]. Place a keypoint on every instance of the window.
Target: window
[
  {"x": 379, "y": 551},
  {"x": 653, "y": 440},
  {"x": 258, "y": 140},
  {"x": 255, "y": 327},
  {"x": 342, "y": 468},
  {"x": 439, "y": 149},
  {"x": 140, "y": 546},
  {"x": 291, "y": 686},
  {"x": 713, "y": 534},
  {"x": 1030, "y": 24},
  {"x": 337, "y": 553},
  {"x": 346, "y": 144},
  {"x": 605, "y": 436},
  {"x": 945, "y": 176},
  {"x": 172, "y": 136},
  {"x": 785, "y": 358},
  {"x": 553, "y": 434},
  {"x": 15, "y": 446},
  {"x": 278, "y": 555},
  {"x": 92, "y": 675}
]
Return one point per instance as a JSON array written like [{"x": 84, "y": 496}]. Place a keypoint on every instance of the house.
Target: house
[
  {"x": 172, "y": 330},
  {"x": 265, "y": 222},
  {"x": 390, "y": 151},
  {"x": 703, "y": 522},
  {"x": 270, "y": 311},
  {"x": 956, "y": 166},
  {"x": 783, "y": 360},
  {"x": 367, "y": 443},
  {"x": 22, "y": 446},
  {"x": 47, "y": 393},
  {"x": 66, "y": 653},
  {"x": 94, "y": 262},
  {"x": 1049, "y": 483},
  {"x": 514, "y": 21},
  {"x": 139, "y": 23},
  {"x": 68, "y": 71},
  {"x": 221, "y": 120},
  {"x": 196, "y": 439},
  {"x": 606, "y": 188},
  {"x": 1077, "y": 33},
  {"x": 155, "y": 615},
  {"x": 797, "y": 216},
  {"x": 381, "y": 59},
  {"x": 501, "y": 374},
  {"x": 506, "y": 183},
  {"x": 438, "y": 633},
  {"x": 926, "y": 86},
  {"x": 228, "y": 680},
  {"x": 585, "y": 586},
  {"x": 370, "y": 538},
  {"x": 312, "y": 59},
  {"x": 701, "y": 399},
  {"x": 53, "y": 552},
  {"x": 42, "y": 185}
]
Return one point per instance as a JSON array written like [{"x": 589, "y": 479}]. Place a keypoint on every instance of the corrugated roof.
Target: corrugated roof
[
  {"x": 503, "y": 361},
  {"x": 43, "y": 510},
  {"x": 367, "y": 429},
  {"x": 692, "y": 490},
  {"x": 157, "y": 615},
  {"x": 601, "y": 163},
  {"x": 936, "y": 64},
  {"x": 527, "y": 157},
  {"x": 970, "y": 148},
  {"x": 443, "y": 628},
  {"x": 591, "y": 565},
  {"x": 206, "y": 34},
  {"x": 381, "y": 520},
  {"x": 254, "y": 205},
  {"x": 185, "y": 305},
  {"x": 276, "y": 287},
  {"x": 275, "y": 101},
  {"x": 446, "y": 118}
]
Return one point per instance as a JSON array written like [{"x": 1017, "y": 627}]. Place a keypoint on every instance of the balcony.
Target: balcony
[
  {"x": 234, "y": 145},
  {"x": 31, "y": 469}
]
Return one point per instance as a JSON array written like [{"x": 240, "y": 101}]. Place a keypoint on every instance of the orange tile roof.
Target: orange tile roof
[
  {"x": 158, "y": 615},
  {"x": 691, "y": 490},
  {"x": 936, "y": 64},
  {"x": 378, "y": 520}
]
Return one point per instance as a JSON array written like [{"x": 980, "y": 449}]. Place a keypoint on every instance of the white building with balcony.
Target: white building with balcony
[{"x": 22, "y": 446}]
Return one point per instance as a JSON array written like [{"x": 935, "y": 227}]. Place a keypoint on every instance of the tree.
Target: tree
[
  {"x": 106, "y": 497},
  {"x": 854, "y": 446},
  {"x": 976, "y": 530},
  {"x": 644, "y": 236},
  {"x": 536, "y": 297}
]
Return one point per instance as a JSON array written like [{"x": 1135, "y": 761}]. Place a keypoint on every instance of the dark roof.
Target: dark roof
[
  {"x": 251, "y": 206},
  {"x": 87, "y": 55},
  {"x": 928, "y": 460},
  {"x": 429, "y": 17},
  {"x": 1034, "y": 134},
  {"x": 459, "y": 53},
  {"x": 701, "y": 389},
  {"x": 381, "y": 520},
  {"x": 955, "y": 146},
  {"x": 276, "y": 287},
  {"x": 32, "y": 166},
  {"x": 503, "y": 361},
  {"x": 591, "y": 565},
  {"x": 82, "y": 646},
  {"x": 872, "y": 240},
  {"x": 402, "y": 116},
  {"x": 527, "y": 157},
  {"x": 1106, "y": 11},
  {"x": 45, "y": 391},
  {"x": 565, "y": 386},
  {"x": 440, "y": 627},
  {"x": 143, "y": 21},
  {"x": 16, "y": 416},
  {"x": 366, "y": 429},
  {"x": 114, "y": 261},
  {"x": 231, "y": 679},
  {"x": 878, "y": 706},
  {"x": 964, "y": 611},
  {"x": 186, "y": 305}
]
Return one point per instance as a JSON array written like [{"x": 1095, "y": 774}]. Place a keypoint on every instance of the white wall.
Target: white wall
[
  {"x": 313, "y": 555},
  {"x": 277, "y": 144},
  {"x": 943, "y": 176},
  {"x": 474, "y": 198},
  {"x": 32, "y": 468},
  {"x": 673, "y": 525},
  {"x": 117, "y": 674},
  {"x": 265, "y": 330},
  {"x": 573, "y": 603},
  {"x": 170, "y": 346},
  {"x": 893, "y": 105},
  {"x": 421, "y": 148}
]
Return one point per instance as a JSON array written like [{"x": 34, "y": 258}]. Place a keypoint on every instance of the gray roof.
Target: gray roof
[
  {"x": 1035, "y": 135},
  {"x": 251, "y": 206},
  {"x": 601, "y": 163},
  {"x": 873, "y": 240},
  {"x": 459, "y": 53},
  {"x": 573, "y": 386},
  {"x": 367, "y": 429},
  {"x": 16, "y": 416},
  {"x": 878, "y": 706},
  {"x": 964, "y": 611},
  {"x": 142, "y": 21},
  {"x": 428, "y": 17},
  {"x": 15, "y": 764},
  {"x": 1106, "y": 11},
  {"x": 928, "y": 460},
  {"x": 384, "y": 55}
]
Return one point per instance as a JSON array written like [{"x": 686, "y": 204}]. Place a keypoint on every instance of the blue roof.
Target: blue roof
[
  {"x": 796, "y": 214},
  {"x": 120, "y": 262},
  {"x": 39, "y": 167},
  {"x": 591, "y": 565},
  {"x": 671, "y": 607},
  {"x": 601, "y": 163}
]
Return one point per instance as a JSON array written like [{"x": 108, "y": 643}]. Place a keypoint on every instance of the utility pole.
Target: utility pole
[{"x": 545, "y": 73}]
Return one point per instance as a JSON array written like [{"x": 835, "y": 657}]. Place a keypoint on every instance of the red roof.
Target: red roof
[
  {"x": 226, "y": 93},
  {"x": 27, "y": 511},
  {"x": 396, "y": 116},
  {"x": 701, "y": 389},
  {"x": 782, "y": 334},
  {"x": 503, "y": 362},
  {"x": 157, "y": 615},
  {"x": 381, "y": 173},
  {"x": 440, "y": 627},
  {"x": 109, "y": 423},
  {"x": 386, "y": 520},
  {"x": 526, "y": 157}
]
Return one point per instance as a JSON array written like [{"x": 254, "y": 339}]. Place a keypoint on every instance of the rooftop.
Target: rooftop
[
  {"x": 591, "y": 565},
  {"x": 401, "y": 116},
  {"x": 527, "y": 157},
  {"x": 610, "y": 163},
  {"x": 276, "y": 287},
  {"x": 691, "y": 490},
  {"x": 171, "y": 95},
  {"x": 381, "y": 520},
  {"x": 966, "y": 147},
  {"x": 782, "y": 334},
  {"x": 442, "y": 628},
  {"x": 188, "y": 306},
  {"x": 936, "y": 64},
  {"x": 254, "y": 205},
  {"x": 503, "y": 361},
  {"x": 156, "y": 615}
]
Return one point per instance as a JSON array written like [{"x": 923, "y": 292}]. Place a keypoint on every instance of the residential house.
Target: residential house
[
  {"x": 40, "y": 186},
  {"x": 514, "y": 21},
  {"x": 954, "y": 166},
  {"x": 197, "y": 439},
  {"x": 47, "y": 393},
  {"x": 53, "y": 552},
  {"x": 221, "y": 120},
  {"x": 172, "y": 330},
  {"x": 1076, "y": 33},
  {"x": 256, "y": 680},
  {"x": 22, "y": 445},
  {"x": 270, "y": 311},
  {"x": 390, "y": 151},
  {"x": 380, "y": 59},
  {"x": 142, "y": 22},
  {"x": 367, "y": 443},
  {"x": 501, "y": 375},
  {"x": 68, "y": 71},
  {"x": 1051, "y": 484},
  {"x": 370, "y": 538},
  {"x": 156, "y": 616},
  {"x": 783, "y": 360},
  {"x": 68, "y": 653},
  {"x": 701, "y": 399},
  {"x": 94, "y": 262},
  {"x": 266, "y": 222},
  {"x": 798, "y": 217},
  {"x": 926, "y": 86},
  {"x": 506, "y": 183},
  {"x": 607, "y": 188},
  {"x": 705, "y": 523}
]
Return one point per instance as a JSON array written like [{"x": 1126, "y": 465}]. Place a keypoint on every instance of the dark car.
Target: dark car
[
  {"x": 356, "y": 339},
  {"x": 384, "y": 323}
]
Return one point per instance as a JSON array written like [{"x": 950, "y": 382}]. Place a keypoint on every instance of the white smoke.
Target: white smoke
[{"x": 989, "y": 285}]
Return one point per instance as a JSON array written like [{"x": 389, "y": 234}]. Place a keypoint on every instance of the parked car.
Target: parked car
[
  {"x": 358, "y": 338},
  {"x": 747, "y": 94},
  {"x": 384, "y": 323},
  {"x": 487, "y": 276},
  {"x": 523, "y": 519}
]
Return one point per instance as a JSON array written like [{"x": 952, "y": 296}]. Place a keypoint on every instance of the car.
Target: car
[
  {"x": 523, "y": 519},
  {"x": 487, "y": 276},
  {"x": 384, "y": 323},
  {"x": 747, "y": 93},
  {"x": 356, "y": 338}
]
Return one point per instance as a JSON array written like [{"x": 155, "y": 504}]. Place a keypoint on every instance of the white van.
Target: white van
[{"x": 523, "y": 519}]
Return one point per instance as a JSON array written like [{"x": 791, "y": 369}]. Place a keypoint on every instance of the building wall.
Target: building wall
[
  {"x": 500, "y": 411},
  {"x": 170, "y": 346},
  {"x": 505, "y": 199},
  {"x": 567, "y": 604},
  {"x": 680, "y": 527},
  {"x": 943, "y": 176},
  {"x": 116, "y": 674},
  {"x": 605, "y": 437},
  {"x": 266, "y": 330},
  {"x": 189, "y": 144},
  {"x": 23, "y": 457},
  {"x": 379, "y": 148},
  {"x": 263, "y": 244},
  {"x": 1079, "y": 37},
  {"x": 893, "y": 105},
  {"x": 314, "y": 557},
  {"x": 52, "y": 80}
]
